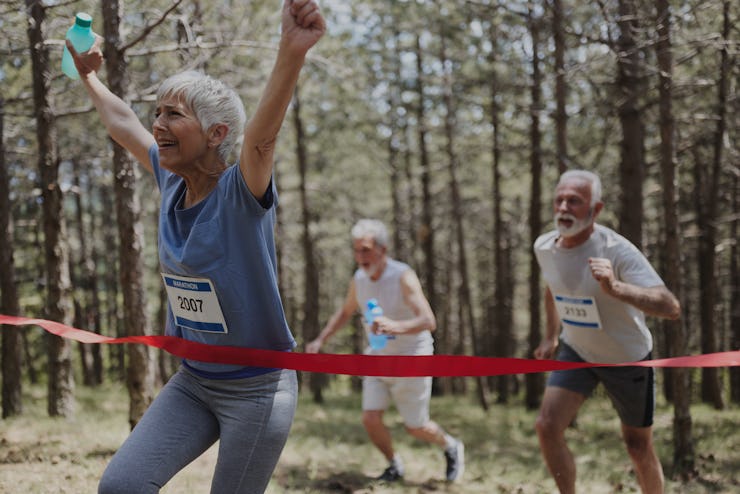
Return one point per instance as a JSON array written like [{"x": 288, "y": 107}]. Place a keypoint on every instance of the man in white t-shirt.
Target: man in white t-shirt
[
  {"x": 405, "y": 328},
  {"x": 599, "y": 288}
]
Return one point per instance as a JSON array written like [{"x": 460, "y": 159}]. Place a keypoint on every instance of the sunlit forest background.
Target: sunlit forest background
[{"x": 449, "y": 120}]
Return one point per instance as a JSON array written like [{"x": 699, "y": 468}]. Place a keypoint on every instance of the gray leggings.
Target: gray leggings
[{"x": 251, "y": 417}]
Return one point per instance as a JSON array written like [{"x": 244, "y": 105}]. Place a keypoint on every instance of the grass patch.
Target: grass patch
[{"x": 327, "y": 450}]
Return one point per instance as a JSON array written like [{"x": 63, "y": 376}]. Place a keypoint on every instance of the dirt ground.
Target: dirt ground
[{"x": 329, "y": 452}]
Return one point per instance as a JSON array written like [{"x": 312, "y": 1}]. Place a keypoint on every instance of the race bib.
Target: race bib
[
  {"x": 194, "y": 303},
  {"x": 578, "y": 311}
]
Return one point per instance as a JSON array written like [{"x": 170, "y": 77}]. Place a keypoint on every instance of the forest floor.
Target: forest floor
[{"x": 328, "y": 451}]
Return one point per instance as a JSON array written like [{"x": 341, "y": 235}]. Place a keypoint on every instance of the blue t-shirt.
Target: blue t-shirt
[{"x": 226, "y": 238}]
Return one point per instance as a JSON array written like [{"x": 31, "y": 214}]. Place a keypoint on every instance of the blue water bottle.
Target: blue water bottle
[
  {"x": 82, "y": 38},
  {"x": 377, "y": 341}
]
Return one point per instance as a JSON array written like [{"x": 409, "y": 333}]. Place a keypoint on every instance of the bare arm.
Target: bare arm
[
  {"x": 118, "y": 118},
  {"x": 549, "y": 343},
  {"x": 655, "y": 301},
  {"x": 413, "y": 296},
  {"x": 302, "y": 26},
  {"x": 336, "y": 321}
]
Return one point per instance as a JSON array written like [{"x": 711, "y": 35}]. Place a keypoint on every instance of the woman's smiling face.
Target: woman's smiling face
[{"x": 179, "y": 135}]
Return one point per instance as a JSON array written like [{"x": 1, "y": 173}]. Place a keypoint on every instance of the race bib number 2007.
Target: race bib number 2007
[
  {"x": 194, "y": 303},
  {"x": 578, "y": 311}
]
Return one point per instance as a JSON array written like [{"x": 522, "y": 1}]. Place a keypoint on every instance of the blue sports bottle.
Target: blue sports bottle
[
  {"x": 377, "y": 341},
  {"x": 82, "y": 37}
]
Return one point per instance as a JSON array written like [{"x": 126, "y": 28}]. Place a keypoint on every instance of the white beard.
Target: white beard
[
  {"x": 371, "y": 270},
  {"x": 575, "y": 228}
]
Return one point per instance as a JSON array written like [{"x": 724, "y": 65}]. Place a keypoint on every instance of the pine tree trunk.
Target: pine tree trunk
[
  {"x": 561, "y": 89},
  {"x": 113, "y": 319},
  {"x": 632, "y": 158},
  {"x": 12, "y": 350},
  {"x": 58, "y": 306},
  {"x": 535, "y": 381},
  {"x": 735, "y": 289},
  {"x": 711, "y": 386},
  {"x": 95, "y": 310},
  {"x": 400, "y": 246},
  {"x": 426, "y": 228},
  {"x": 310, "y": 331},
  {"x": 140, "y": 365},
  {"x": 676, "y": 334},
  {"x": 81, "y": 281},
  {"x": 466, "y": 303},
  {"x": 498, "y": 340}
]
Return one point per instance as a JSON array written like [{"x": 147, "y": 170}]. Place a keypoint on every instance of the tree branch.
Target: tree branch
[{"x": 145, "y": 32}]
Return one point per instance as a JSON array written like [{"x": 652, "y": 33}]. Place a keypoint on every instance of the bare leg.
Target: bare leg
[
  {"x": 639, "y": 441},
  {"x": 378, "y": 432},
  {"x": 430, "y": 433},
  {"x": 559, "y": 407}
]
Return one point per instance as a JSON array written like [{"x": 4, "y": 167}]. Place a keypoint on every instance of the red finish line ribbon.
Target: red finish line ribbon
[{"x": 360, "y": 365}]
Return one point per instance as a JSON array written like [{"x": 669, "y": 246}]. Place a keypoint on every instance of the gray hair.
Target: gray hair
[
  {"x": 593, "y": 180},
  {"x": 212, "y": 101},
  {"x": 374, "y": 228}
]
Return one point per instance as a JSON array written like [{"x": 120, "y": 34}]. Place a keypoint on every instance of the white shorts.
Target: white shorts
[{"x": 411, "y": 396}]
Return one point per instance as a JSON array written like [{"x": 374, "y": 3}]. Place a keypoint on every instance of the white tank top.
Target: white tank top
[{"x": 387, "y": 290}]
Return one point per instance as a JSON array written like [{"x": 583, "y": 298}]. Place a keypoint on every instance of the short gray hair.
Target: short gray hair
[
  {"x": 593, "y": 180},
  {"x": 371, "y": 228},
  {"x": 212, "y": 101}
]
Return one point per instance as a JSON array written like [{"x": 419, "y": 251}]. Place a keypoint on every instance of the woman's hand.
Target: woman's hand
[
  {"x": 302, "y": 25},
  {"x": 90, "y": 61}
]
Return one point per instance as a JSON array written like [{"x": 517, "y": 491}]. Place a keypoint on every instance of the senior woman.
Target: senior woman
[{"x": 217, "y": 257}]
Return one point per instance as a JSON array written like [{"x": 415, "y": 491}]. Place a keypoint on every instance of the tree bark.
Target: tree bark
[
  {"x": 706, "y": 201},
  {"x": 426, "y": 228},
  {"x": 58, "y": 305},
  {"x": 561, "y": 88},
  {"x": 466, "y": 303},
  {"x": 81, "y": 282},
  {"x": 12, "y": 349},
  {"x": 735, "y": 289},
  {"x": 400, "y": 245},
  {"x": 140, "y": 366},
  {"x": 95, "y": 309},
  {"x": 535, "y": 382},
  {"x": 113, "y": 317},
  {"x": 711, "y": 387},
  {"x": 683, "y": 444},
  {"x": 310, "y": 271},
  {"x": 499, "y": 340},
  {"x": 629, "y": 85}
]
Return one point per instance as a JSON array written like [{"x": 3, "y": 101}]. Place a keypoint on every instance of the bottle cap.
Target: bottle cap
[
  {"x": 372, "y": 303},
  {"x": 83, "y": 20}
]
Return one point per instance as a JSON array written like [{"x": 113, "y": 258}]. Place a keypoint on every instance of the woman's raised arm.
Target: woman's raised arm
[
  {"x": 119, "y": 119},
  {"x": 302, "y": 26}
]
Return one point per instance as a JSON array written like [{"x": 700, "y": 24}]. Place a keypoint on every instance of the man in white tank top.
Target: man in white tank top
[
  {"x": 599, "y": 288},
  {"x": 404, "y": 328}
]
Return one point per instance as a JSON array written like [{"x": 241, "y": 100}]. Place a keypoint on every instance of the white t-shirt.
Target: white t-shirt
[
  {"x": 387, "y": 290},
  {"x": 599, "y": 327}
]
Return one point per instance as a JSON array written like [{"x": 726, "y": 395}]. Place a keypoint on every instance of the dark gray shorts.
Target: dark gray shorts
[{"x": 631, "y": 389}]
